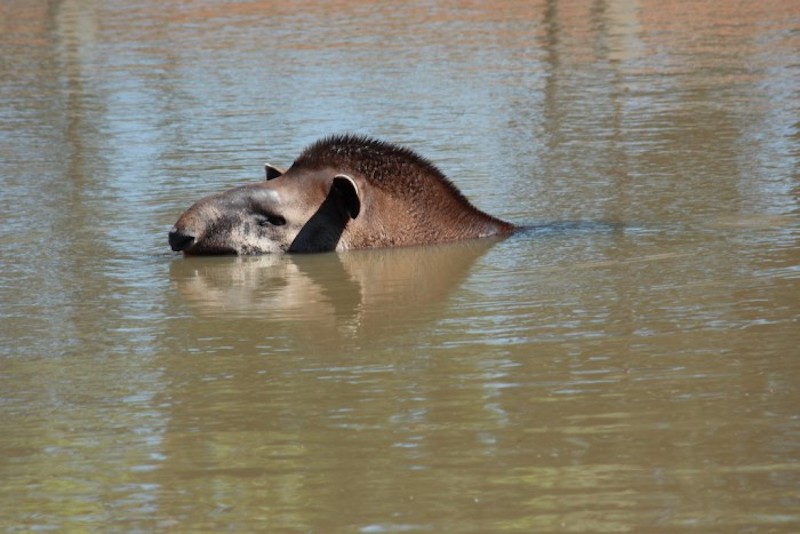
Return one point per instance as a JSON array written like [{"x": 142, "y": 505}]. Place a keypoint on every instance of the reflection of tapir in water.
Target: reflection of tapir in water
[
  {"x": 343, "y": 192},
  {"x": 369, "y": 295}
]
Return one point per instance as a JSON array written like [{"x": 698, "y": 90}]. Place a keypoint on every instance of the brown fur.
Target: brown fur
[
  {"x": 397, "y": 170},
  {"x": 433, "y": 208}
]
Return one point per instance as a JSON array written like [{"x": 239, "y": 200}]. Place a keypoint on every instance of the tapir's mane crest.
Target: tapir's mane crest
[{"x": 392, "y": 168}]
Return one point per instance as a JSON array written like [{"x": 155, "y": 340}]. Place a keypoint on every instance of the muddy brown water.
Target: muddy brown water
[{"x": 629, "y": 364}]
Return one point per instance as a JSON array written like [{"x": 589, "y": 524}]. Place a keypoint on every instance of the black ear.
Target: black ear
[
  {"x": 272, "y": 171},
  {"x": 348, "y": 189}
]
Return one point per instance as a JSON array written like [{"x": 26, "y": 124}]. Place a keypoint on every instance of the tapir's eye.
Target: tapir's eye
[{"x": 271, "y": 220}]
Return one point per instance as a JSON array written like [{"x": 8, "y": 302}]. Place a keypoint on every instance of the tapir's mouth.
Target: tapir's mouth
[
  {"x": 209, "y": 251},
  {"x": 180, "y": 240},
  {"x": 186, "y": 242}
]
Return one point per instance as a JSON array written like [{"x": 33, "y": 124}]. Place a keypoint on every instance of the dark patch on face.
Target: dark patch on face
[{"x": 322, "y": 231}]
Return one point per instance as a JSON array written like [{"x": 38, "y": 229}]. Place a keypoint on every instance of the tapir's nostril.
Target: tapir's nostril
[{"x": 180, "y": 240}]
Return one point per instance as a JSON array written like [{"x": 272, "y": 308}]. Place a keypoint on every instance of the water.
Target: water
[{"x": 630, "y": 363}]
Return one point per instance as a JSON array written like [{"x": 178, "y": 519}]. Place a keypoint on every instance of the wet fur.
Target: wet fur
[
  {"x": 405, "y": 175},
  {"x": 381, "y": 163}
]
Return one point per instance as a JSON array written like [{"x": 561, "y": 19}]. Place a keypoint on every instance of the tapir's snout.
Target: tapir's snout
[
  {"x": 190, "y": 237},
  {"x": 180, "y": 239}
]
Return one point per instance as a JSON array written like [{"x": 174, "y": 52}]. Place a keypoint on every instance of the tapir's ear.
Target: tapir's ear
[
  {"x": 347, "y": 187},
  {"x": 272, "y": 171}
]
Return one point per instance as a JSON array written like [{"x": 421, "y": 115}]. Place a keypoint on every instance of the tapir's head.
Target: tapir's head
[{"x": 301, "y": 210}]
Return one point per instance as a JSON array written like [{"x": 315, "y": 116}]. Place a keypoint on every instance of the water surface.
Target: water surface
[{"x": 629, "y": 363}]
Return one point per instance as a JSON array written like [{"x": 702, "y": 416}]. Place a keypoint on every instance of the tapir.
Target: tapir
[{"x": 343, "y": 192}]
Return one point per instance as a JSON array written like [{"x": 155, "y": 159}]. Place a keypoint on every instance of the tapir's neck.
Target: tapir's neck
[{"x": 389, "y": 222}]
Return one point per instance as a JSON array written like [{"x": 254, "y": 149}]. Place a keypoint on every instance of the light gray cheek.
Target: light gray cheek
[
  {"x": 274, "y": 197},
  {"x": 267, "y": 196},
  {"x": 249, "y": 238}
]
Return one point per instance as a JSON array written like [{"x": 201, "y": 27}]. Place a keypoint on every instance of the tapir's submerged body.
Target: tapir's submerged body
[{"x": 343, "y": 192}]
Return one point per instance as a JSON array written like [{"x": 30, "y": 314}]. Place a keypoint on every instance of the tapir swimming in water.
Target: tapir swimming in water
[{"x": 343, "y": 192}]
